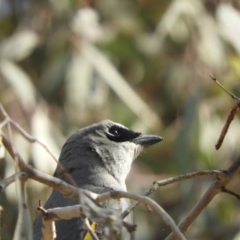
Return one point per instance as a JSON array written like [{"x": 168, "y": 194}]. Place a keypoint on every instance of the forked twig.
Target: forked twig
[
  {"x": 211, "y": 192},
  {"x": 218, "y": 174},
  {"x": 144, "y": 200},
  {"x": 236, "y": 195},
  {"x": 231, "y": 115},
  {"x": 7, "y": 181},
  {"x": 9, "y": 121},
  {"x": 222, "y": 87},
  {"x": 230, "y": 118},
  {"x": 89, "y": 229}
]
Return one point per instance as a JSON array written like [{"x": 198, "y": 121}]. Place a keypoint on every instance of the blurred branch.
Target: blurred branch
[
  {"x": 24, "y": 220},
  {"x": 94, "y": 212},
  {"x": 89, "y": 229},
  {"x": 70, "y": 191},
  {"x": 48, "y": 227},
  {"x": 118, "y": 84},
  {"x": 8, "y": 120},
  {"x": 23, "y": 229},
  {"x": 20, "y": 82},
  {"x": 1, "y": 217},
  {"x": 65, "y": 189},
  {"x": 31, "y": 139},
  {"x": 7, "y": 181}
]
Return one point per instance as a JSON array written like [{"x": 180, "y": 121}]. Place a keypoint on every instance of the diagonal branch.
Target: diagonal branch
[
  {"x": 231, "y": 114},
  {"x": 236, "y": 195},
  {"x": 7, "y": 181},
  {"x": 7, "y": 120},
  {"x": 147, "y": 201},
  {"x": 214, "y": 189},
  {"x": 208, "y": 173},
  {"x": 64, "y": 188},
  {"x": 89, "y": 229},
  {"x": 223, "y": 88}
]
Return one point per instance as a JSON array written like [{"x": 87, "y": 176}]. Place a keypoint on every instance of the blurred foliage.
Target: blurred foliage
[{"x": 66, "y": 64}]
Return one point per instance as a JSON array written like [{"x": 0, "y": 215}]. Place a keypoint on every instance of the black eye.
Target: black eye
[
  {"x": 114, "y": 131},
  {"x": 120, "y": 134}
]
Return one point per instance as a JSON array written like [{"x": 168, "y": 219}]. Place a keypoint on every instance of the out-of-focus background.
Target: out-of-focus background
[{"x": 143, "y": 63}]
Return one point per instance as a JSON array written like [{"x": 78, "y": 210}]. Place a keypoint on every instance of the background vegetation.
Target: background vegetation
[{"x": 143, "y": 63}]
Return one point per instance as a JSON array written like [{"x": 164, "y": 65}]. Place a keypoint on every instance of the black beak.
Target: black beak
[{"x": 147, "y": 140}]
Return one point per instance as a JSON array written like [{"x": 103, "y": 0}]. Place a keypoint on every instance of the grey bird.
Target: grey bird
[{"x": 98, "y": 158}]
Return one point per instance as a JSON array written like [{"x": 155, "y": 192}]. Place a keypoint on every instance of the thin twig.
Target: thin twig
[
  {"x": 197, "y": 209},
  {"x": 120, "y": 86},
  {"x": 236, "y": 195},
  {"x": 230, "y": 118},
  {"x": 221, "y": 86},
  {"x": 4, "y": 113},
  {"x": 64, "y": 188},
  {"x": 145, "y": 200},
  {"x": 31, "y": 139},
  {"x": 41, "y": 208},
  {"x": 3, "y": 123},
  {"x": 23, "y": 132},
  {"x": 24, "y": 222},
  {"x": 208, "y": 173},
  {"x": 48, "y": 226},
  {"x": 7, "y": 181},
  {"x": 231, "y": 115},
  {"x": 1, "y": 215},
  {"x": 214, "y": 189},
  {"x": 15, "y": 154},
  {"x": 89, "y": 229},
  {"x": 10, "y": 149},
  {"x": 130, "y": 227}
]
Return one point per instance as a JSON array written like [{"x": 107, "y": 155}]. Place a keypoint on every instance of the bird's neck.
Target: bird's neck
[
  {"x": 99, "y": 177},
  {"x": 91, "y": 168},
  {"x": 94, "y": 172}
]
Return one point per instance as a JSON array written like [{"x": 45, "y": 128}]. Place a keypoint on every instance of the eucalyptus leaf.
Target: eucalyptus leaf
[
  {"x": 19, "y": 45},
  {"x": 20, "y": 82}
]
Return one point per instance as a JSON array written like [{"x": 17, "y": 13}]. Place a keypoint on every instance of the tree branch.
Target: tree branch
[
  {"x": 7, "y": 181},
  {"x": 145, "y": 200},
  {"x": 89, "y": 229},
  {"x": 208, "y": 173},
  {"x": 214, "y": 189},
  {"x": 236, "y": 195}
]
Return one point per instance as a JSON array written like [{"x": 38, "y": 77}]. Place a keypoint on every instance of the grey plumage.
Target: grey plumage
[{"x": 99, "y": 158}]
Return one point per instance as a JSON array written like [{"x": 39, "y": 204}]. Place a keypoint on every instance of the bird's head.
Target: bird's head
[{"x": 104, "y": 148}]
